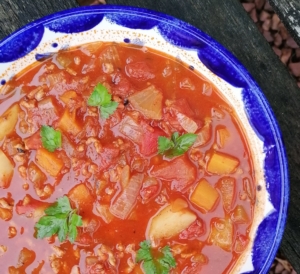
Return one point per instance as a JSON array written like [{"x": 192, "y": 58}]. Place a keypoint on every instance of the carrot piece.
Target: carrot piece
[
  {"x": 80, "y": 195},
  {"x": 6, "y": 170},
  {"x": 204, "y": 195},
  {"x": 221, "y": 163},
  {"x": 67, "y": 123},
  {"x": 49, "y": 161}
]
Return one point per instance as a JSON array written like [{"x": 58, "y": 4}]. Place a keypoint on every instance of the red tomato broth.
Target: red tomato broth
[{"x": 145, "y": 67}]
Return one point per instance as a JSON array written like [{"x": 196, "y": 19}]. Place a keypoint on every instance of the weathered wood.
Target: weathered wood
[
  {"x": 227, "y": 22},
  {"x": 289, "y": 13},
  {"x": 15, "y": 14}
]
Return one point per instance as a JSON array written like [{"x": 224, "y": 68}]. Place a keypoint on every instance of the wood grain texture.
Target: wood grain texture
[
  {"x": 227, "y": 22},
  {"x": 289, "y": 13},
  {"x": 15, "y": 14}
]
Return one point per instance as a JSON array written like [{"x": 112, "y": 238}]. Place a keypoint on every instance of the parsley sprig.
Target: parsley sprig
[
  {"x": 51, "y": 138},
  {"x": 61, "y": 219},
  {"x": 151, "y": 265},
  {"x": 177, "y": 145},
  {"x": 102, "y": 99}
]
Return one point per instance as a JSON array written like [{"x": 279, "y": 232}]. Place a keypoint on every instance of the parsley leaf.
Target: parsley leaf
[
  {"x": 102, "y": 99},
  {"x": 151, "y": 265},
  {"x": 51, "y": 138},
  {"x": 61, "y": 219},
  {"x": 177, "y": 145}
]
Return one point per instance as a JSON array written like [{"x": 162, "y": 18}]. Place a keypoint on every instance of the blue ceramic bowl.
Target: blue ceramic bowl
[{"x": 177, "y": 38}]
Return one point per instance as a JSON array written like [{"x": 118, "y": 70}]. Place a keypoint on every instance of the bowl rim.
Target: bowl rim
[{"x": 232, "y": 61}]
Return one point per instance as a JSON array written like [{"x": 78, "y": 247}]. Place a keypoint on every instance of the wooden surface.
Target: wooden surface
[
  {"x": 227, "y": 22},
  {"x": 289, "y": 12}
]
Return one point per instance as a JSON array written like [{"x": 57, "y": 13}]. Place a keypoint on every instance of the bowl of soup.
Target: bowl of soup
[{"x": 131, "y": 142}]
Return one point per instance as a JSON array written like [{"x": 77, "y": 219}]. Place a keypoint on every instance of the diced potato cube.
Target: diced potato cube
[
  {"x": 239, "y": 215},
  {"x": 6, "y": 170},
  {"x": 168, "y": 223},
  {"x": 221, "y": 163},
  {"x": 80, "y": 195},
  {"x": 49, "y": 161},
  {"x": 148, "y": 102},
  {"x": 8, "y": 120},
  {"x": 221, "y": 233},
  {"x": 68, "y": 123},
  {"x": 204, "y": 195}
]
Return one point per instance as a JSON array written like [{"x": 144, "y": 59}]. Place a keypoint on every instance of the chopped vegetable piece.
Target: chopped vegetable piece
[
  {"x": 102, "y": 99},
  {"x": 176, "y": 145},
  {"x": 204, "y": 134},
  {"x": 34, "y": 141},
  {"x": 51, "y": 138},
  {"x": 30, "y": 207},
  {"x": 158, "y": 264},
  {"x": 81, "y": 196},
  {"x": 195, "y": 230},
  {"x": 204, "y": 195},
  {"x": 26, "y": 258},
  {"x": 188, "y": 124},
  {"x": 222, "y": 136},
  {"x": 68, "y": 123},
  {"x": 167, "y": 223},
  {"x": 8, "y": 120},
  {"x": 139, "y": 71},
  {"x": 60, "y": 219},
  {"x": 145, "y": 136},
  {"x": 221, "y": 233},
  {"x": 180, "y": 171},
  {"x": 49, "y": 161},
  {"x": 6, "y": 170},
  {"x": 221, "y": 163},
  {"x": 227, "y": 187},
  {"x": 241, "y": 243},
  {"x": 239, "y": 215},
  {"x": 123, "y": 204},
  {"x": 148, "y": 102}
]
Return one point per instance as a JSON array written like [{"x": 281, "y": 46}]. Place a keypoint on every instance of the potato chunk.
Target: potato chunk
[
  {"x": 148, "y": 102},
  {"x": 221, "y": 233},
  {"x": 204, "y": 195},
  {"x": 49, "y": 161},
  {"x": 6, "y": 170},
  {"x": 171, "y": 220},
  {"x": 221, "y": 163},
  {"x": 8, "y": 120}
]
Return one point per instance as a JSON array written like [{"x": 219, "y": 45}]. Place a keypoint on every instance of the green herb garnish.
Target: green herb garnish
[
  {"x": 61, "y": 219},
  {"x": 177, "y": 145},
  {"x": 51, "y": 138},
  {"x": 102, "y": 99},
  {"x": 151, "y": 265}
]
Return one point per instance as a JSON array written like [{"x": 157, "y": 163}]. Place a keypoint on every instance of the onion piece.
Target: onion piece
[{"x": 123, "y": 205}]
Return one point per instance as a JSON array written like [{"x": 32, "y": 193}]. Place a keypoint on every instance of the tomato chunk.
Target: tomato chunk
[{"x": 180, "y": 172}]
